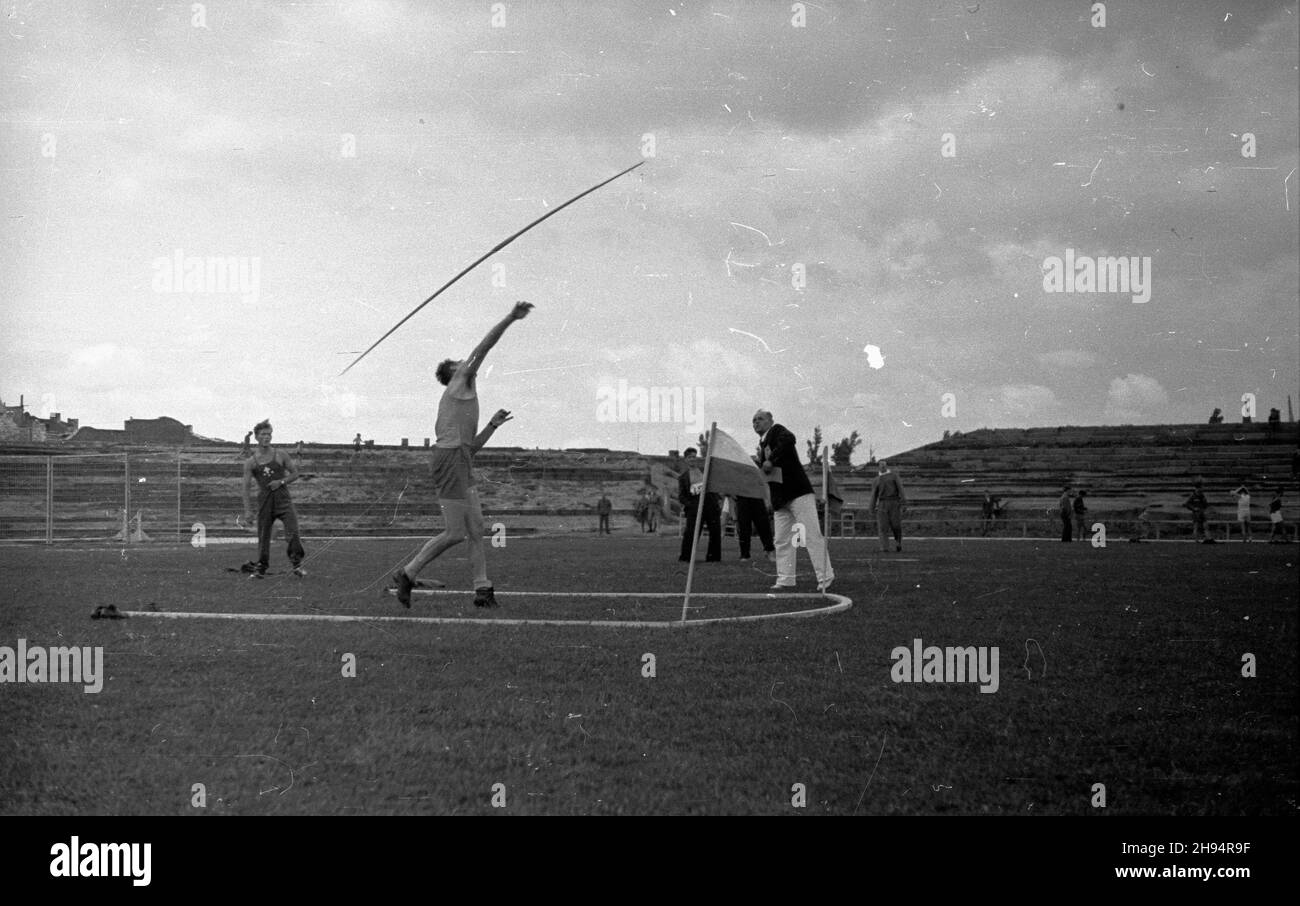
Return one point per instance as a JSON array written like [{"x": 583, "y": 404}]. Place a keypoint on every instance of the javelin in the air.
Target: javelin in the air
[{"x": 496, "y": 248}]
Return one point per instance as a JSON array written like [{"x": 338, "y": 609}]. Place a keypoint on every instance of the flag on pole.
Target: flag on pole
[
  {"x": 727, "y": 470},
  {"x": 733, "y": 471}
]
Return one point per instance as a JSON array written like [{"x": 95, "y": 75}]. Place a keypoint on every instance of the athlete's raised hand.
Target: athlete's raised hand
[
  {"x": 521, "y": 310},
  {"x": 500, "y": 418}
]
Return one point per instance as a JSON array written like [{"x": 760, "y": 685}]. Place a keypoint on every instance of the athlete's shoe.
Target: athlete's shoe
[
  {"x": 107, "y": 612},
  {"x": 404, "y": 586},
  {"x": 483, "y": 597},
  {"x": 822, "y": 586},
  {"x": 257, "y": 573},
  {"x": 299, "y": 572},
  {"x": 779, "y": 587}
]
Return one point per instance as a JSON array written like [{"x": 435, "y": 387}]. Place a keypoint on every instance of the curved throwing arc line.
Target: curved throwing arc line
[{"x": 841, "y": 604}]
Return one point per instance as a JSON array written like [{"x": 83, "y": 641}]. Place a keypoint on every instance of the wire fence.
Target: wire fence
[{"x": 162, "y": 495}]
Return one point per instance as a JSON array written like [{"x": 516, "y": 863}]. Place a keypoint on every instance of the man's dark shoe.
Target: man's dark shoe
[
  {"x": 404, "y": 586},
  {"x": 483, "y": 597}
]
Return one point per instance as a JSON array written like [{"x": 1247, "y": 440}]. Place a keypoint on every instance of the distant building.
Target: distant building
[
  {"x": 162, "y": 430},
  {"x": 20, "y": 426},
  {"x": 17, "y": 425}
]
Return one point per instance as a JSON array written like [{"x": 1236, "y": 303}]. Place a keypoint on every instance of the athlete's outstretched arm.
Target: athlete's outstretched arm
[
  {"x": 494, "y": 422},
  {"x": 518, "y": 313}
]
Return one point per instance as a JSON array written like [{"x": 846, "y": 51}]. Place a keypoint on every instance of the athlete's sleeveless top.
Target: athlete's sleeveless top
[
  {"x": 457, "y": 423},
  {"x": 265, "y": 473}
]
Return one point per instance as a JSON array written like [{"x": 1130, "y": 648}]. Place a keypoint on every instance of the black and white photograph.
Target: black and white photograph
[{"x": 858, "y": 408}]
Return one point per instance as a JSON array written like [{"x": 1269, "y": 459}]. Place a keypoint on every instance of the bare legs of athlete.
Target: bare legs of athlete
[{"x": 464, "y": 523}]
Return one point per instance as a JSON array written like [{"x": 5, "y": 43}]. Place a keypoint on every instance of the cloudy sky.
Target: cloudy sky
[{"x": 845, "y": 213}]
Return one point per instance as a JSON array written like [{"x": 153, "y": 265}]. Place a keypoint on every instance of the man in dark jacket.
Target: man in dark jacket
[
  {"x": 887, "y": 501},
  {"x": 794, "y": 507},
  {"x": 689, "y": 485}
]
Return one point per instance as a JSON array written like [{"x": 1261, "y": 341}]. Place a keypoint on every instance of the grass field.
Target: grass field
[{"x": 1120, "y": 666}]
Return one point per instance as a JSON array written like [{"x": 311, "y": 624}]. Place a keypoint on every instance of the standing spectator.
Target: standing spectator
[
  {"x": 1216, "y": 417},
  {"x": 1243, "y": 511},
  {"x": 1065, "y": 505},
  {"x": 1274, "y": 423},
  {"x": 1197, "y": 503},
  {"x": 247, "y": 450},
  {"x": 752, "y": 518},
  {"x": 1144, "y": 523},
  {"x": 690, "y": 484},
  {"x": 1276, "y": 529},
  {"x": 793, "y": 503},
  {"x": 987, "y": 509},
  {"x": 1295, "y": 463},
  {"x": 603, "y": 509},
  {"x": 887, "y": 501},
  {"x": 1081, "y": 516},
  {"x": 356, "y": 443},
  {"x": 655, "y": 503},
  {"x": 298, "y": 451},
  {"x": 648, "y": 506}
]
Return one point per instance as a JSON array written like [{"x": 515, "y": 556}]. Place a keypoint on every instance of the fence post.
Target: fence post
[
  {"x": 49, "y": 500},
  {"x": 126, "y": 498}
]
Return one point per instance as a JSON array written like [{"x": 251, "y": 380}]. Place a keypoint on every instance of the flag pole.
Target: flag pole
[{"x": 699, "y": 518}]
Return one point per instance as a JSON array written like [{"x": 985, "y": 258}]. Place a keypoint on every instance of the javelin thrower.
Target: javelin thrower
[{"x": 458, "y": 439}]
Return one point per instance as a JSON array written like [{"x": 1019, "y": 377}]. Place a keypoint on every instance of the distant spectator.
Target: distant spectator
[
  {"x": 1243, "y": 511},
  {"x": 356, "y": 443},
  {"x": 1144, "y": 523},
  {"x": 1274, "y": 423},
  {"x": 1216, "y": 417},
  {"x": 648, "y": 506},
  {"x": 1276, "y": 529},
  {"x": 753, "y": 518},
  {"x": 603, "y": 509},
  {"x": 1066, "y": 508},
  {"x": 1295, "y": 463},
  {"x": 987, "y": 508},
  {"x": 247, "y": 450},
  {"x": 1197, "y": 503},
  {"x": 887, "y": 501},
  {"x": 1081, "y": 515},
  {"x": 690, "y": 484},
  {"x": 298, "y": 451}
]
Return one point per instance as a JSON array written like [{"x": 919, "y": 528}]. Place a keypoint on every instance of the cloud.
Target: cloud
[
  {"x": 1027, "y": 400},
  {"x": 1067, "y": 358},
  {"x": 1136, "y": 398}
]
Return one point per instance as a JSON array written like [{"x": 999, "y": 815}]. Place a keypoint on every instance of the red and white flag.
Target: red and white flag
[{"x": 732, "y": 471}]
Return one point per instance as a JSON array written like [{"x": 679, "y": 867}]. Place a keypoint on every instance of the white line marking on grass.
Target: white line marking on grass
[
  {"x": 841, "y": 604},
  {"x": 618, "y": 594}
]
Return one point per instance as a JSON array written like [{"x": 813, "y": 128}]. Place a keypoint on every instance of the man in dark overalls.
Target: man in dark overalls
[{"x": 273, "y": 470}]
